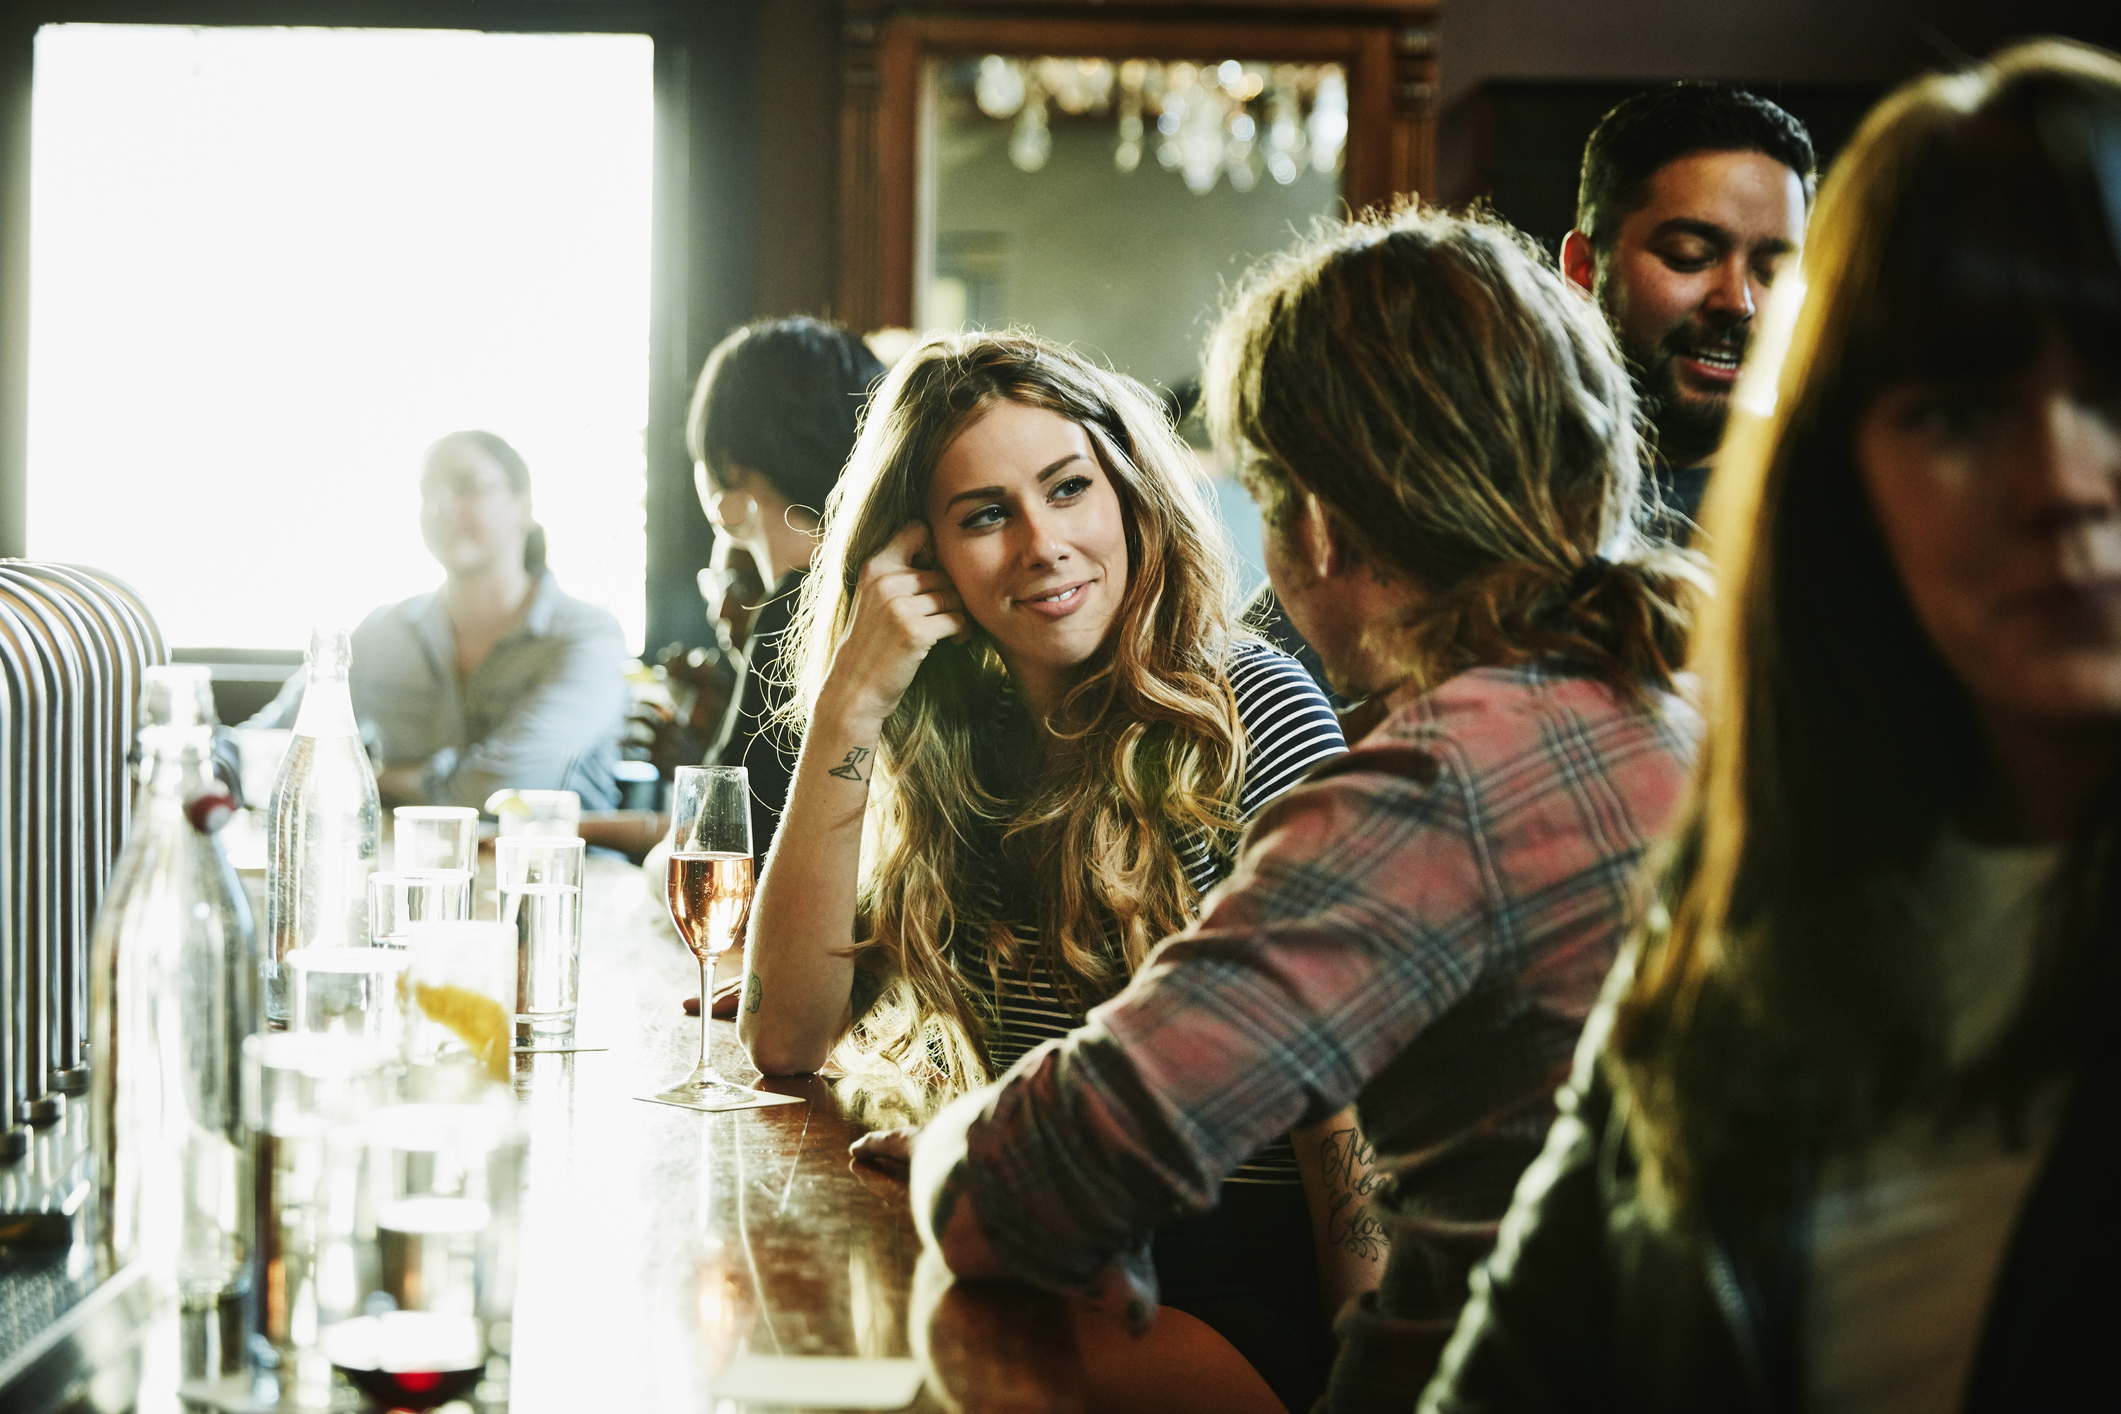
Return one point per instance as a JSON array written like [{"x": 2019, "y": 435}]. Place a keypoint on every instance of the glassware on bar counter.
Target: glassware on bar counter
[
  {"x": 398, "y": 900},
  {"x": 537, "y": 812},
  {"x": 431, "y": 838},
  {"x": 304, "y": 1098},
  {"x": 462, "y": 985},
  {"x": 709, "y": 888},
  {"x": 438, "y": 1193},
  {"x": 326, "y": 822},
  {"x": 173, "y": 983},
  {"x": 540, "y": 879},
  {"x": 359, "y": 991}
]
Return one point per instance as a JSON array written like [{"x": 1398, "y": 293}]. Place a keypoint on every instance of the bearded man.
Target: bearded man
[{"x": 1693, "y": 200}]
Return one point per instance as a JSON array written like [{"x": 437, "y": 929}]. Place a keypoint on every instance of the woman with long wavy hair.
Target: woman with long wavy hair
[
  {"x": 1844, "y": 1135},
  {"x": 1031, "y": 732}
]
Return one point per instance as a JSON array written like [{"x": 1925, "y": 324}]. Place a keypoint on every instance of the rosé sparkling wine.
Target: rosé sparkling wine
[{"x": 709, "y": 896}]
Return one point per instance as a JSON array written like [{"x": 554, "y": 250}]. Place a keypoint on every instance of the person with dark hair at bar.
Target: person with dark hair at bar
[
  {"x": 497, "y": 679},
  {"x": 1693, "y": 199},
  {"x": 1843, "y": 1135},
  {"x": 1442, "y": 439},
  {"x": 773, "y": 419}
]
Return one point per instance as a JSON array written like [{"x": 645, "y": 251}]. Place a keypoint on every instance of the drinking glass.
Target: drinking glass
[
  {"x": 540, "y": 877},
  {"x": 398, "y": 900},
  {"x": 437, "y": 1199},
  {"x": 710, "y": 886},
  {"x": 463, "y": 992},
  {"x": 537, "y": 812},
  {"x": 429, "y": 838},
  {"x": 436, "y": 836},
  {"x": 360, "y": 991},
  {"x": 304, "y": 1096}
]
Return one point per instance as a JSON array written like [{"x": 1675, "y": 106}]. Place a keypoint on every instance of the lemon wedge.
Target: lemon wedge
[{"x": 480, "y": 1022}]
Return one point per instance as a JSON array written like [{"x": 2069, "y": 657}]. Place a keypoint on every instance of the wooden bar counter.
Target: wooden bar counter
[{"x": 659, "y": 1241}]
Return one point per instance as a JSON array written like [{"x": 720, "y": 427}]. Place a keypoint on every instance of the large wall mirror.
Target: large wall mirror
[
  {"x": 1097, "y": 171},
  {"x": 1107, "y": 202}
]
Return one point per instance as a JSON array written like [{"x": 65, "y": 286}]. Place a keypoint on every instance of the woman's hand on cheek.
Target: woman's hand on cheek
[{"x": 900, "y": 612}]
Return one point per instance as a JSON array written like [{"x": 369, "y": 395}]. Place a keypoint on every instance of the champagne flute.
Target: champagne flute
[{"x": 710, "y": 885}]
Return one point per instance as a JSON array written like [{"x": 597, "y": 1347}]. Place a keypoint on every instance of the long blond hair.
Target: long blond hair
[
  {"x": 1466, "y": 420},
  {"x": 1148, "y": 749}
]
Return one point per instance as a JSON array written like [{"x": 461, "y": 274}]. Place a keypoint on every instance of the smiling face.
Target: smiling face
[
  {"x": 1687, "y": 272},
  {"x": 1030, "y": 529},
  {"x": 470, "y": 517},
  {"x": 2000, "y": 504}
]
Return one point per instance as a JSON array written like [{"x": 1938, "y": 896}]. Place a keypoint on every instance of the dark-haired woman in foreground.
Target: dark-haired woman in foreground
[{"x": 1844, "y": 1136}]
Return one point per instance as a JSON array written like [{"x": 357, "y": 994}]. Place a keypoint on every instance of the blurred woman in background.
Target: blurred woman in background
[
  {"x": 1845, "y": 1136},
  {"x": 496, "y": 679}
]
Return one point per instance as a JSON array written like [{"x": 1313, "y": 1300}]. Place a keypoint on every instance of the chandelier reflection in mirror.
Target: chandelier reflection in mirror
[{"x": 1206, "y": 122}]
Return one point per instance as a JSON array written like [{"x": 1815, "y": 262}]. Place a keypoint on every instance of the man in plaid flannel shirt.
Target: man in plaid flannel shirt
[{"x": 1422, "y": 926}]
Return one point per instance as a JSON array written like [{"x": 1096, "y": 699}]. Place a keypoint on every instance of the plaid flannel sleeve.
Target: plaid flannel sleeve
[{"x": 1354, "y": 918}]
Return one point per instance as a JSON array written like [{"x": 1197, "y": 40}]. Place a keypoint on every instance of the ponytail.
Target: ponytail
[
  {"x": 534, "y": 551},
  {"x": 1466, "y": 420},
  {"x": 1624, "y": 622}
]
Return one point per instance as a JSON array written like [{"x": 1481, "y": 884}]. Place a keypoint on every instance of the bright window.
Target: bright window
[{"x": 269, "y": 266}]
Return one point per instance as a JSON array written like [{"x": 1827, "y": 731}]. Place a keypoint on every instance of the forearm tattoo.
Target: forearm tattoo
[
  {"x": 850, "y": 769},
  {"x": 1345, "y": 1157},
  {"x": 754, "y": 992}
]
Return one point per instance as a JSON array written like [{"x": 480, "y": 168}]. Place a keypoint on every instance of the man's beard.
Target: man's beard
[{"x": 1689, "y": 424}]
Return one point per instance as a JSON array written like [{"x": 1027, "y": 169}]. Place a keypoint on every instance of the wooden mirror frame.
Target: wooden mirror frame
[{"x": 1388, "y": 48}]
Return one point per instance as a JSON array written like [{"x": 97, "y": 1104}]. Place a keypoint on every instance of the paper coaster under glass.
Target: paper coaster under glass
[{"x": 716, "y": 1098}]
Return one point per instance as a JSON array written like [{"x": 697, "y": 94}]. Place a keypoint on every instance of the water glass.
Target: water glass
[
  {"x": 537, "y": 812},
  {"x": 463, "y": 992},
  {"x": 304, "y": 1096},
  {"x": 436, "y": 837},
  {"x": 540, "y": 878},
  {"x": 360, "y": 991},
  {"x": 396, "y": 901},
  {"x": 438, "y": 1204}
]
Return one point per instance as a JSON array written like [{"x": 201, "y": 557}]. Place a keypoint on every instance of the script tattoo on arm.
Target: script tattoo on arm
[
  {"x": 850, "y": 769},
  {"x": 1345, "y": 1157},
  {"x": 754, "y": 993}
]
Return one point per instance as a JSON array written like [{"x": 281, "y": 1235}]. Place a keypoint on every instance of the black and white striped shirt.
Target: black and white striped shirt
[{"x": 1289, "y": 728}]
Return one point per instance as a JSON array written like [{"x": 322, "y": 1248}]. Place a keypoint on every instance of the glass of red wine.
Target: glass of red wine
[{"x": 710, "y": 886}]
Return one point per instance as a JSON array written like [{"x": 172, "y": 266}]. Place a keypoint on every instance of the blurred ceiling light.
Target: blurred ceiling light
[{"x": 1210, "y": 116}]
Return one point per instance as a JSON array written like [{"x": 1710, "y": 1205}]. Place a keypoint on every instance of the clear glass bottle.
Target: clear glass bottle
[
  {"x": 174, "y": 984},
  {"x": 326, "y": 823}
]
